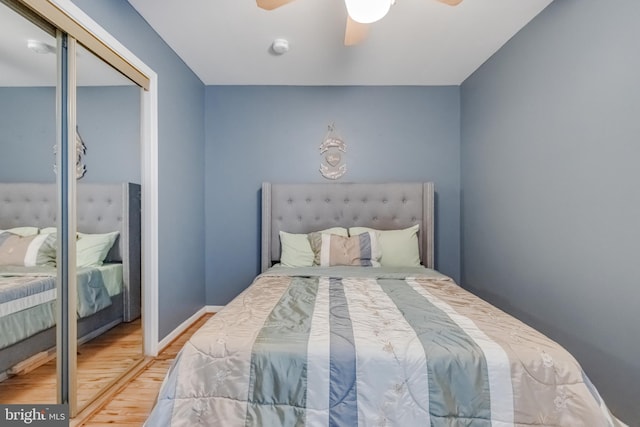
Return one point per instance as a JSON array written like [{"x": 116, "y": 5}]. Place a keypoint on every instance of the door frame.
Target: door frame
[{"x": 149, "y": 174}]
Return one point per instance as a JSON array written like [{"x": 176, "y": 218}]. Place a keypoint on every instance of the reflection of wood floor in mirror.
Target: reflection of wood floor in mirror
[
  {"x": 133, "y": 402},
  {"x": 100, "y": 361}
]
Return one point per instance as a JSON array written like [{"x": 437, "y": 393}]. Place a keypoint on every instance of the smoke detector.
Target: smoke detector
[
  {"x": 280, "y": 46},
  {"x": 40, "y": 47}
]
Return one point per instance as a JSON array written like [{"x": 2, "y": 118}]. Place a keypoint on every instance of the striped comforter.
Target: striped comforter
[
  {"x": 28, "y": 295},
  {"x": 371, "y": 347}
]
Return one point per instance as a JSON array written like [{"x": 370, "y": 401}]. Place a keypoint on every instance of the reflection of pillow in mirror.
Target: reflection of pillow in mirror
[
  {"x": 22, "y": 231},
  {"x": 296, "y": 250},
  {"x": 28, "y": 251},
  {"x": 399, "y": 247},
  {"x": 92, "y": 249}
]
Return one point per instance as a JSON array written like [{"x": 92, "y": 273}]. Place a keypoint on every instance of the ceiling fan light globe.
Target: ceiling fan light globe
[{"x": 367, "y": 11}]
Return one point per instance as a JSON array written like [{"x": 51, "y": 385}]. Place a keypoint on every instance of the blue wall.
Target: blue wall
[
  {"x": 181, "y": 161},
  {"x": 28, "y": 123},
  {"x": 550, "y": 206},
  {"x": 108, "y": 121},
  {"x": 257, "y": 134},
  {"x": 547, "y": 136}
]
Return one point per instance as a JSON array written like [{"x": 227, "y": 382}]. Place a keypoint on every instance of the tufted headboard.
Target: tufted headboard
[
  {"x": 101, "y": 208},
  {"x": 303, "y": 208}
]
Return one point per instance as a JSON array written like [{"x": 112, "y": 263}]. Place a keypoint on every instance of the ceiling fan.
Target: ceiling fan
[{"x": 360, "y": 13}]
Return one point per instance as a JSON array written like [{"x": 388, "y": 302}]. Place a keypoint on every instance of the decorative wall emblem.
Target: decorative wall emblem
[
  {"x": 81, "y": 150},
  {"x": 333, "y": 150}
]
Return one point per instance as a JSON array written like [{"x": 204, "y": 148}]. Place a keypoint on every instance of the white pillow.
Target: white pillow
[{"x": 399, "y": 247}]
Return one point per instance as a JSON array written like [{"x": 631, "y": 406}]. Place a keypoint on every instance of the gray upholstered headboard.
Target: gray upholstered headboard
[
  {"x": 303, "y": 208},
  {"x": 101, "y": 208}
]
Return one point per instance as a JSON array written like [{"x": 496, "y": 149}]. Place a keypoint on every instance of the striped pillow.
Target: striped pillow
[
  {"x": 332, "y": 250},
  {"x": 27, "y": 251}
]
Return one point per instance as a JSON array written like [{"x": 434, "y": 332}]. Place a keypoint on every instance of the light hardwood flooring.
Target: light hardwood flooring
[
  {"x": 133, "y": 402},
  {"x": 100, "y": 361}
]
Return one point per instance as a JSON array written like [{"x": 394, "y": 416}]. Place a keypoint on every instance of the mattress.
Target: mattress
[
  {"x": 349, "y": 346},
  {"x": 28, "y": 294}
]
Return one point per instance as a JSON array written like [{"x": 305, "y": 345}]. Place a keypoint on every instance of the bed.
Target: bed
[
  {"x": 107, "y": 294},
  {"x": 347, "y": 345}
]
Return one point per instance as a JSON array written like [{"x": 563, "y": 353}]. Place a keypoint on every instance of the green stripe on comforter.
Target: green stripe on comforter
[
  {"x": 277, "y": 389},
  {"x": 458, "y": 379},
  {"x": 407, "y": 348}
]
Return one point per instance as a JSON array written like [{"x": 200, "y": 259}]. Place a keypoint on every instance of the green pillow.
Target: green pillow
[
  {"x": 22, "y": 231},
  {"x": 399, "y": 247},
  {"x": 296, "y": 250},
  {"x": 92, "y": 249}
]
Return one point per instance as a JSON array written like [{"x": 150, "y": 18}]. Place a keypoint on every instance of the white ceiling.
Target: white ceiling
[
  {"x": 20, "y": 66},
  {"x": 420, "y": 42}
]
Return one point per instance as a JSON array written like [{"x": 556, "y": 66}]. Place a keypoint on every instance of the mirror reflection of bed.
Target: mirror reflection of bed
[
  {"x": 108, "y": 281},
  {"x": 108, "y": 120}
]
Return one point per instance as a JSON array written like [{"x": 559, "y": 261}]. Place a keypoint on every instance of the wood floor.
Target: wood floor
[
  {"x": 133, "y": 402},
  {"x": 100, "y": 361}
]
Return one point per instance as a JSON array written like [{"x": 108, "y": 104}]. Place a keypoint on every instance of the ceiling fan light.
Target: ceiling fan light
[{"x": 367, "y": 11}]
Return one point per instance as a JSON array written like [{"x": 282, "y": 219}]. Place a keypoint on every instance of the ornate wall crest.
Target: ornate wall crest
[
  {"x": 81, "y": 150},
  {"x": 333, "y": 150}
]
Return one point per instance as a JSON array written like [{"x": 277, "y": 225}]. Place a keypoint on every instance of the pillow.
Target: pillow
[
  {"x": 27, "y": 251},
  {"x": 331, "y": 250},
  {"x": 92, "y": 249},
  {"x": 399, "y": 247},
  {"x": 22, "y": 231},
  {"x": 296, "y": 250}
]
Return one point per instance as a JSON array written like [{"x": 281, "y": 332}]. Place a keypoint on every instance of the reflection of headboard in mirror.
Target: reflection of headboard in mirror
[
  {"x": 101, "y": 208},
  {"x": 303, "y": 208}
]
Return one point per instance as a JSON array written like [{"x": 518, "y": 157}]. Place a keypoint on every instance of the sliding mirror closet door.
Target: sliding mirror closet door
[
  {"x": 27, "y": 210},
  {"x": 108, "y": 170},
  {"x": 70, "y": 209}
]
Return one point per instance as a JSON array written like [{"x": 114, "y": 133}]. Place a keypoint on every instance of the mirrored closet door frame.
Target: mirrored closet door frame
[{"x": 49, "y": 16}]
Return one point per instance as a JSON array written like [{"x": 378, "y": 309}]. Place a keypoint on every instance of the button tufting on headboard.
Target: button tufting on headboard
[
  {"x": 303, "y": 208},
  {"x": 101, "y": 208}
]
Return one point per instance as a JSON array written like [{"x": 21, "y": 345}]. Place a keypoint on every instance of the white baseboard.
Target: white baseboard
[
  {"x": 185, "y": 325},
  {"x": 180, "y": 329},
  {"x": 213, "y": 308}
]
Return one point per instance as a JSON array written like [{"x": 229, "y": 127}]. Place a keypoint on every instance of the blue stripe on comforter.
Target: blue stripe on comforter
[{"x": 343, "y": 403}]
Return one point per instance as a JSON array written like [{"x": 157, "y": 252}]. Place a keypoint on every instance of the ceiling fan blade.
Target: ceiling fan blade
[
  {"x": 355, "y": 32},
  {"x": 271, "y": 4},
  {"x": 451, "y": 2}
]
